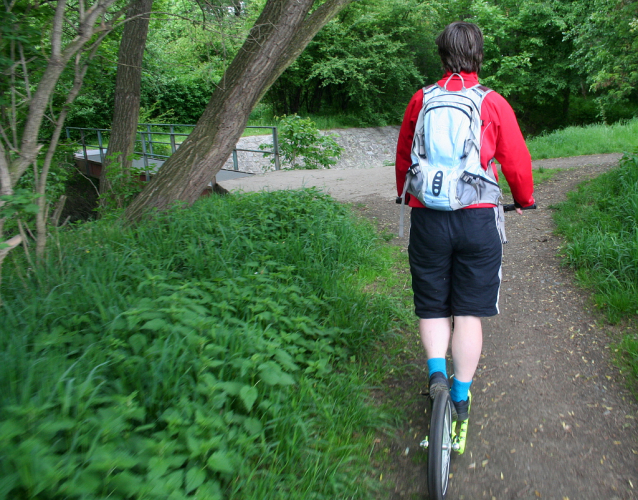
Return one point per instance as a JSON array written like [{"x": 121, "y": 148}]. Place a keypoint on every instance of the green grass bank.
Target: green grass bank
[
  {"x": 210, "y": 353},
  {"x": 600, "y": 224},
  {"x": 588, "y": 140}
]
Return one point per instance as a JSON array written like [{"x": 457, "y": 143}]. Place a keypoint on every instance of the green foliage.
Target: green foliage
[
  {"x": 592, "y": 139},
  {"x": 19, "y": 205},
  {"x": 203, "y": 354},
  {"x": 125, "y": 185},
  {"x": 539, "y": 175},
  {"x": 22, "y": 205},
  {"x": 362, "y": 63},
  {"x": 558, "y": 63},
  {"x": 172, "y": 100},
  {"x": 301, "y": 145},
  {"x": 600, "y": 223},
  {"x": 60, "y": 171},
  {"x": 527, "y": 59},
  {"x": 22, "y": 23},
  {"x": 93, "y": 108},
  {"x": 605, "y": 35},
  {"x": 21, "y": 201}
]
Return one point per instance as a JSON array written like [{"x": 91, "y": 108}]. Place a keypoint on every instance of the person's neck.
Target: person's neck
[{"x": 464, "y": 74}]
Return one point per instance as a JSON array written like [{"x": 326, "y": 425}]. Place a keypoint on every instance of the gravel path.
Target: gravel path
[{"x": 361, "y": 184}]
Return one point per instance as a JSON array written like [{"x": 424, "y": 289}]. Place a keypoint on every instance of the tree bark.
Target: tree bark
[
  {"x": 128, "y": 80},
  {"x": 280, "y": 34}
]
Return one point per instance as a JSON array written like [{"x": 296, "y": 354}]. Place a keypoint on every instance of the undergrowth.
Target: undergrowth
[
  {"x": 600, "y": 224},
  {"x": 588, "y": 140},
  {"x": 208, "y": 353},
  {"x": 539, "y": 175}
]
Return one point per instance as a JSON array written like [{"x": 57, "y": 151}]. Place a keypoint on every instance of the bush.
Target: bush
[
  {"x": 301, "y": 145},
  {"x": 193, "y": 357}
]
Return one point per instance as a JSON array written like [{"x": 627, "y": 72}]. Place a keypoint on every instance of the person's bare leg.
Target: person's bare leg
[
  {"x": 467, "y": 343},
  {"x": 435, "y": 336}
]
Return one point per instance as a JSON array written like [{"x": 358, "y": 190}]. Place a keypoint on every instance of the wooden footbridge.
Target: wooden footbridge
[{"x": 154, "y": 144}]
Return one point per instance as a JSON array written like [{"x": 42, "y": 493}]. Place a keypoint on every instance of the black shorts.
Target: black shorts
[{"x": 455, "y": 261}]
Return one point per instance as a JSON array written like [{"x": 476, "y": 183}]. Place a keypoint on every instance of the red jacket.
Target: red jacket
[{"x": 501, "y": 138}]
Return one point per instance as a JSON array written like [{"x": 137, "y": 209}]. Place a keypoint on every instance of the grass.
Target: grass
[
  {"x": 600, "y": 224},
  {"x": 539, "y": 175},
  {"x": 213, "y": 352},
  {"x": 263, "y": 116},
  {"x": 588, "y": 140}
]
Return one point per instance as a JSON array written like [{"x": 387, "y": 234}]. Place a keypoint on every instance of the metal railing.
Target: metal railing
[{"x": 154, "y": 143}]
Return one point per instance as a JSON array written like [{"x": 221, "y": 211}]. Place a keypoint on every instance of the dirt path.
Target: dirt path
[{"x": 551, "y": 417}]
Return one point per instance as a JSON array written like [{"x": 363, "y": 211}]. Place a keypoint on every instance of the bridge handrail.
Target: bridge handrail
[{"x": 146, "y": 140}]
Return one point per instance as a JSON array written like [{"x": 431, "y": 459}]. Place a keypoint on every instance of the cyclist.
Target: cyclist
[{"x": 455, "y": 256}]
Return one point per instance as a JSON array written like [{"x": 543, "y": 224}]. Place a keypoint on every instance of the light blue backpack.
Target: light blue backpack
[{"x": 446, "y": 172}]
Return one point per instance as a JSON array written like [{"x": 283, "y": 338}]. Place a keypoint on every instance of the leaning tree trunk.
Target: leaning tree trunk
[
  {"x": 278, "y": 37},
  {"x": 126, "y": 110}
]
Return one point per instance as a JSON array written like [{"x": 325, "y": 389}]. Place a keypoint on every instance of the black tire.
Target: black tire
[{"x": 440, "y": 446}]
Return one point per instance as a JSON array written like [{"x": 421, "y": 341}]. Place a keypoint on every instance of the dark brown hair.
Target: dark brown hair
[{"x": 461, "y": 47}]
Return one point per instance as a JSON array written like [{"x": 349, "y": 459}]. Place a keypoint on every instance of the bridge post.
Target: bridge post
[
  {"x": 86, "y": 157},
  {"x": 275, "y": 145},
  {"x": 173, "y": 146},
  {"x": 99, "y": 142},
  {"x": 150, "y": 139},
  {"x": 145, "y": 156}
]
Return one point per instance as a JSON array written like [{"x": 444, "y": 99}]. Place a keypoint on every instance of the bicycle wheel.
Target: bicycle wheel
[{"x": 440, "y": 446}]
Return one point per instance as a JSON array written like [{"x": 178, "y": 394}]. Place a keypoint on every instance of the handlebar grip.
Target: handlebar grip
[{"x": 512, "y": 206}]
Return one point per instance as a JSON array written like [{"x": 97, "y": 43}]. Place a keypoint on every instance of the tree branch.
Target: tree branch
[
  {"x": 5, "y": 177},
  {"x": 56, "y": 31},
  {"x": 56, "y": 65}
]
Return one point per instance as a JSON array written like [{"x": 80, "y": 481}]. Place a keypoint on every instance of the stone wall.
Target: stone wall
[{"x": 363, "y": 147}]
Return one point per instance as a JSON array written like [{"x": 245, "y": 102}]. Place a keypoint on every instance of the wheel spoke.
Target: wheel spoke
[{"x": 440, "y": 446}]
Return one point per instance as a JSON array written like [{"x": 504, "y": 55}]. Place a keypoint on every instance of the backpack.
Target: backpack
[{"x": 446, "y": 172}]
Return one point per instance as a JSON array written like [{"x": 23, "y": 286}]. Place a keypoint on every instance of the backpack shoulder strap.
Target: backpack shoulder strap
[
  {"x": 429, "y": 89},
  {"x": 481, "y": 90},
  {"x": 429, "y": 92}
]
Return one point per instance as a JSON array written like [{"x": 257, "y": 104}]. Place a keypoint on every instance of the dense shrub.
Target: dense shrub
[{"x": 192, "y": 357}]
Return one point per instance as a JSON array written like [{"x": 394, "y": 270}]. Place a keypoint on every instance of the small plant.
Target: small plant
[
  {"x": 124, "y": 186},
  {"x": 301, "y": 145}
]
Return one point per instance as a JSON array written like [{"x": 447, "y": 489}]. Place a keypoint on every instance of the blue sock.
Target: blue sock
[
  {"x": 459, "y": 390},
  {"x": 436, "y": 365}
]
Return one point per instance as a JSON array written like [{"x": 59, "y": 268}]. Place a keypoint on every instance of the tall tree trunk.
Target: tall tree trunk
[
  {"x": 126, "y": 110},
  {"x": 280, "y": 34}
]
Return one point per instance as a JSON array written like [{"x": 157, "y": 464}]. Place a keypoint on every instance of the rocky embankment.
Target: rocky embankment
[{"x": 363, "y": 148}]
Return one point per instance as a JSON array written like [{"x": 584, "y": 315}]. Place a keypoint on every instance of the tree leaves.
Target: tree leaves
[
  {"x": 221, "y": 461},
  {"x": 194, "y": 479},
  {"x": 272, "y": 374},
  {"x": 248, "y": 395}
]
